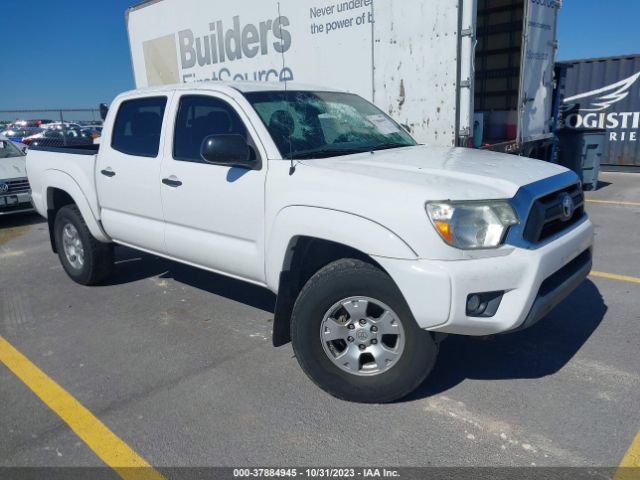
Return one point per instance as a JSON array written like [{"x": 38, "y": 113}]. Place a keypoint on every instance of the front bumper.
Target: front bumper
[
  {"x": 534, "y": 282},
  {"x": 15, "y": 203}
]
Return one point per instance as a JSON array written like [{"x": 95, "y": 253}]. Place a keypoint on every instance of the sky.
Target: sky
[{"x": 75, "y": 53}]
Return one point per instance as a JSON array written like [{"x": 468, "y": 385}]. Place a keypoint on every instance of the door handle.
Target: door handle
[
  {"x": 172, "y": 182},
  {"x": 108, "y": 172}
]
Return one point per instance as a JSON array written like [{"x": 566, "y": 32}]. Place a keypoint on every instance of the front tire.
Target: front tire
[
  {"x": 86, "y": 260},
  {"x": 355, "y": 337}
]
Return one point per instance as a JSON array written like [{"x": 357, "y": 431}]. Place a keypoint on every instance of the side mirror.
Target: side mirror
[{"x": 229, "y": 149}]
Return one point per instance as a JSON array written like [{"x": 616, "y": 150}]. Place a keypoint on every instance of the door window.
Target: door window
[
  {"x": 138, "y": 126},
  {"x": 198, "y": 117}
]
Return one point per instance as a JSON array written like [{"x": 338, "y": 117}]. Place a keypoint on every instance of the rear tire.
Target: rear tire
[
  {"x": 86, "y": 260},
  {"x": 380, "y": 318}
]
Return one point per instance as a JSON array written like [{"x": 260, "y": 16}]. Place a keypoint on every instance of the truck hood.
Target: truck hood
[
  {"x": 447, "y": 173},
  {"x": 13, "y": 167}
]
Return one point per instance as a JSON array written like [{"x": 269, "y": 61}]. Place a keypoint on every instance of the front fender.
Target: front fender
[
  {"x": 337, "y": 226},
  {"x": 62, "y": 181}
]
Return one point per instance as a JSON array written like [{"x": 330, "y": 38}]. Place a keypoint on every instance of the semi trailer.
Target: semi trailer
[{"x": 472, "y": 73}]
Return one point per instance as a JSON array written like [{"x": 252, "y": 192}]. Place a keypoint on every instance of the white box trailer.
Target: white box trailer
[{"x": 455, "y": 72}]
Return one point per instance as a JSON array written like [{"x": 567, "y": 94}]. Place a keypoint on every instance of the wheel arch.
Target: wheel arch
[
  {"x": 61, "y": 190},
  {"x": 305, "y": 239}
]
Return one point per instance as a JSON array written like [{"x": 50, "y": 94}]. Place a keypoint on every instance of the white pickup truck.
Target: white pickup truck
[{"x": 376, "y": 247}]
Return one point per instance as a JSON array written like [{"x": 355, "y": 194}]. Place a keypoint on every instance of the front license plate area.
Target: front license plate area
[{"x": 9, "y": 201}]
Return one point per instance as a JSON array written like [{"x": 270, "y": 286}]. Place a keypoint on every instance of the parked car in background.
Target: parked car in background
[
  {"x": 21, "y": 146},
  {"x": 15, "y": 192},
  {"x": 91, "y": 123},
  {"x": 93, "y": 132},
  {"x": 54, "y": 137},
  {"x": 17, "y": 134},
  {"x": 36, "y": 123},
  {"x": 60, "y": 125}
]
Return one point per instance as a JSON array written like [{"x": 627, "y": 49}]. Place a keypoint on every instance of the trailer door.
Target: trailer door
[
  {"x": 536, "y": 79},
  {"x": 423, "y": 67}
]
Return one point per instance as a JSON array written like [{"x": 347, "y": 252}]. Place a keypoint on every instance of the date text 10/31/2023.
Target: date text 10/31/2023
[{"x": 315, "y": 473}]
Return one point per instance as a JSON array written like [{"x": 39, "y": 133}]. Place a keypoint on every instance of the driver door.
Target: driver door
[{"x": 214, "y": 214}]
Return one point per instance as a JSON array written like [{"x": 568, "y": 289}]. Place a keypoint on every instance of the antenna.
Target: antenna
[{"x": 292, "y": 167}]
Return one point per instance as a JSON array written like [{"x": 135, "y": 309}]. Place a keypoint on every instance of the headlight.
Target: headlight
[{"x": 472, "y": 225}]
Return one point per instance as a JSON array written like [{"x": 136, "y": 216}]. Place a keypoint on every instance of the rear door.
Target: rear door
[
  {"x": 538, "y": 59},
  {"x": 128, "y": 173},
  {"x": 214, "y": 214}
]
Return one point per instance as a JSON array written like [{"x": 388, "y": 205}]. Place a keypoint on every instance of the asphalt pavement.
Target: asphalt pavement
[{"x": 178, "y": 363}]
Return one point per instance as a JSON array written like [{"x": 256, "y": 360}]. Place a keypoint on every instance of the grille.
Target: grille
[
  {"x": 547, "y": 217},
  {"x": 20, "y": 185}
]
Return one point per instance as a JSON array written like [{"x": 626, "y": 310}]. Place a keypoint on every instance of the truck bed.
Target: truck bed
[
  {"x": 72, "y": 149},
  {"x": 71, "y": 169}
]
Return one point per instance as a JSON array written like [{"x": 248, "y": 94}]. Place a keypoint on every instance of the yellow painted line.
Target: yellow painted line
[
  {"x": 104, "y": 443},
  {"x": 629, "y": 468},
  {"x": 611, "y": 202},
  {"x": 614, "y": 276}
]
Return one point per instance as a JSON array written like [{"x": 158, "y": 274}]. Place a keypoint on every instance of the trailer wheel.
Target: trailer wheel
[
  {"x": 355, "y": 337},
  {"x": 86, "y": 260}
]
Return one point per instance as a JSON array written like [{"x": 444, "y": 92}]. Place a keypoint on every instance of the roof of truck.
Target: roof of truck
[{"x": 244, "y": 87}]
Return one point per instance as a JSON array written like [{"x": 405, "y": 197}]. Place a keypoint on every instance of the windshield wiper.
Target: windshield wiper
[
  {"x": 325, "y": 153},
  {"x": 389, "y": 146},
  {"x": 336, "y": 152}
]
